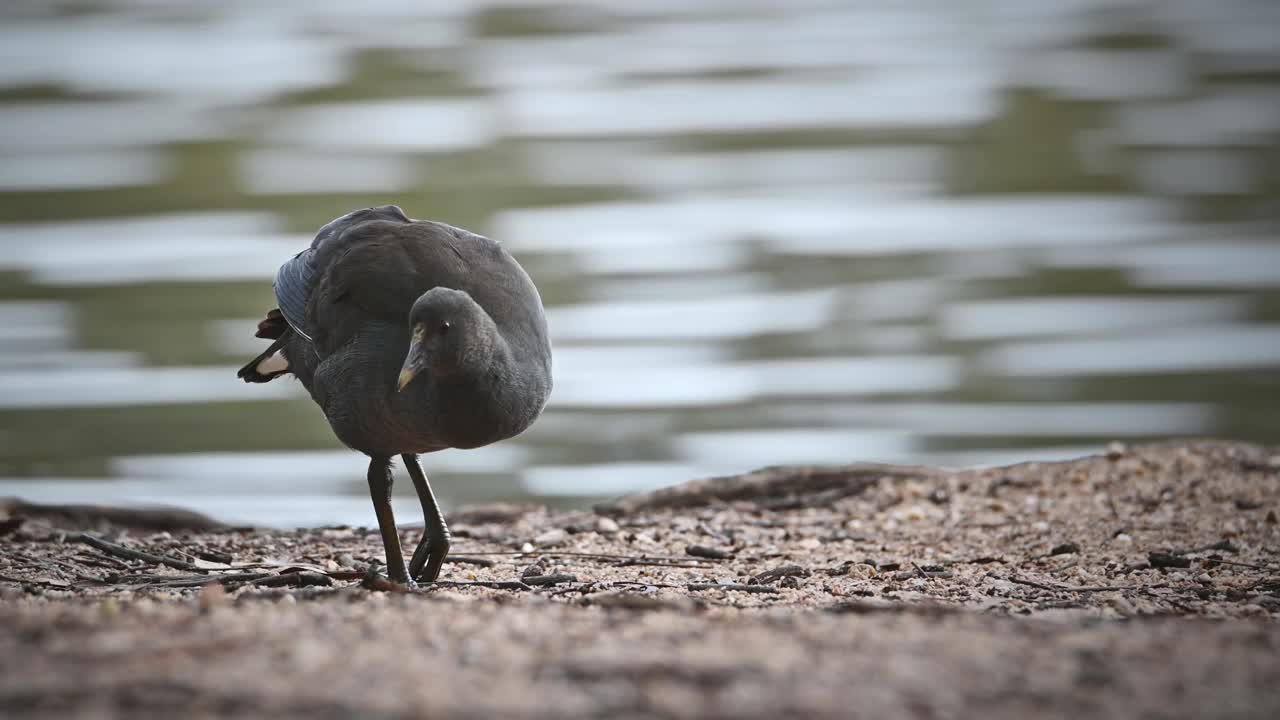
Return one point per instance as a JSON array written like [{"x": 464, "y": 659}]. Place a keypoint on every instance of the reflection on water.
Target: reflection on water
[{"x": 766, "y": 232}]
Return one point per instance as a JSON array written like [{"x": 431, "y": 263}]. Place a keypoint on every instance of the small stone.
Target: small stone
[
  {"x": 1204, "y": 578},
  {"x": 1124, "y": 539},
  {"x": 538, "y": 567},
  {"x": 551, "y": 538},
  {"x": 1068, "y": 548},
  {"x": 1271, "y": 517},
  {"x": 346, "y": 560},
  {"x": 810, "y": 544},
  {"x": 705, "y": 551},
  {"x": 861, "y": 571},
  {"x": 1116, "y": 450},
  {"x": 1167, "y": 560},
  {"x": 607, "y": 526},
  {"x": 526, "y": 548}
]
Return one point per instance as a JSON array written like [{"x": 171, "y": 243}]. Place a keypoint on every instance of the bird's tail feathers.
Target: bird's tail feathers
[{"x": 271, "y": 364}]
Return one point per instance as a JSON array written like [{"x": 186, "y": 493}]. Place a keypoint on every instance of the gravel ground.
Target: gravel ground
[{"x": 1142, "y": 583}]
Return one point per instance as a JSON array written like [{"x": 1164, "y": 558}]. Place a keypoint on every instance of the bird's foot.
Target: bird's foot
[{"x": 375, "y": 580}]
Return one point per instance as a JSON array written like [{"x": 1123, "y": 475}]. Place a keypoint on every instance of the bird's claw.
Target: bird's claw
[{"x": 375, "y": 580}]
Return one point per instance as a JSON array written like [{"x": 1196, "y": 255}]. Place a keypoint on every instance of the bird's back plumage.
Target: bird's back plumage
[{"x": 346, "y": 300}]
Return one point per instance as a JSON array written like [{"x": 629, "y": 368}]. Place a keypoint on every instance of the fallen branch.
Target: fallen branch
[
  {"x": 294, "y": 579},
  {"x": 467, "y": 560},
  {"x": 494, "y": 584},
  {"x": 1069, "y": 588},
  {"x": 776, "y": 574},
  {"x": 131, "y": 554},
  {"x": 734, "y": 587},
  {"x": 543, "y": 580}
]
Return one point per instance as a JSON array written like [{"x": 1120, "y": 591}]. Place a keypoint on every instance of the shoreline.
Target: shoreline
[{"x": 1146, "y": 580}]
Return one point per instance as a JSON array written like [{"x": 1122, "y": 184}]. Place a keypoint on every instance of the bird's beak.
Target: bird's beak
[{"x": 412, "y": 360}]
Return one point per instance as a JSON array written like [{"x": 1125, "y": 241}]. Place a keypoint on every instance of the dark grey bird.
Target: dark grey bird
[{"x": 412, "y": 336}]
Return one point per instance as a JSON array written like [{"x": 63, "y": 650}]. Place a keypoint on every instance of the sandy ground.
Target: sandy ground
[{"x": 1143, "y": 583}]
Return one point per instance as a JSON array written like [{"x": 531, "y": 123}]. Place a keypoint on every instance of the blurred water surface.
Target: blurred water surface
[{"x": 766, "y": 232}]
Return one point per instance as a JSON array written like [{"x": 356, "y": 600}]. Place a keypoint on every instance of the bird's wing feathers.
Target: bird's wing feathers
[
  {"x": 293, "y": 288},
  {"x": 297, "y": 278},
  {"x": 370, "y": 266}
]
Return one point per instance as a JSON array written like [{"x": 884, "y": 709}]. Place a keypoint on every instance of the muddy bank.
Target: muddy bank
[{"x": 1143, "y": 582}]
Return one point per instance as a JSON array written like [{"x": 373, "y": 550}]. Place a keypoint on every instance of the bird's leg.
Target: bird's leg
[
  {"x": 380, "y": 491},
  {"x": 434, "y": 547}
]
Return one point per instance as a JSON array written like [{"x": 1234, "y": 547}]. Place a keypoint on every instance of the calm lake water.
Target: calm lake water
[{"x": 797, "y": 231}]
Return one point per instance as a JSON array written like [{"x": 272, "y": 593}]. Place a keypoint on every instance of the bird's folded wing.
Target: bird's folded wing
[
  {"x": 296, "y": 279},
  {"x": 293, "y": 284}
]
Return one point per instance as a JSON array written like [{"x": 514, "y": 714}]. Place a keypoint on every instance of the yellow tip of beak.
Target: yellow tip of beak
[{"x": 406, "y": 376}]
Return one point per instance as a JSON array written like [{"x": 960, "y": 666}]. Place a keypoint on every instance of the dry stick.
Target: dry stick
[
  {"x": 130, "y": 553},
  {"x": 465, "y": 560},
  {"x": 198, "y": 580},
  {"x": 294, "y": 579},
  {"x": 555, "y": 579},
  {"x": 650, "y": 563},
  {"x": 34, "y": 581},
  {"x": 694, "y": 587},
  {"x": 494, "y": 584},
  {"x": 1071, "y": 588},
  {"x": 1241, "y": 564},
  {"x": 590, "y": 556},
  {"x": 1225, "y": 545}
]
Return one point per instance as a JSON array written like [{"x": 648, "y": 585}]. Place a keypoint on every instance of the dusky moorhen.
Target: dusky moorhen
[{"x": 412, "y": 336}]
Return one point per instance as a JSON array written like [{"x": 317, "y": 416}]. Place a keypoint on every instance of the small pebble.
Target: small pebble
[
  {"x": 1124, "y": 539},
  {"x": 526, "y": 548},
  {"x": 606, "y": 526},
  {"x": 1204, "y": 578}
]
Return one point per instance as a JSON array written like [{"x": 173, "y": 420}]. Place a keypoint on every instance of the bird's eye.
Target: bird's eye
[{"x": 444, "y": 326}]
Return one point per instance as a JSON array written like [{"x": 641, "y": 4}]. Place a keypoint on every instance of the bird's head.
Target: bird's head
[{"x": 448, "y": 332}]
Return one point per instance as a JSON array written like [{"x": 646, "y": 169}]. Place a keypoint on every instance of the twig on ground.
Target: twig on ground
[
  {"x": 554, "y": 579},
  {"x": 130, "y": 553},
  {"x": 179, "y": 581},
  {"x": 468, "y": 560},
  {"x": 1168, "y": 560},
  {"x": 1069, "y": 588},
  {"x": 711, "y": 553},
  {"x": 924, "y": 573},
  {"x": 294, "y": 579},
  {"x": 1218, "y": 561},
  {"x": 494, "y": 584},
  {"x": 695, "y": 587},
  {"x": 770, "y": 576},
  {"x": 1223, "y": 545}
]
